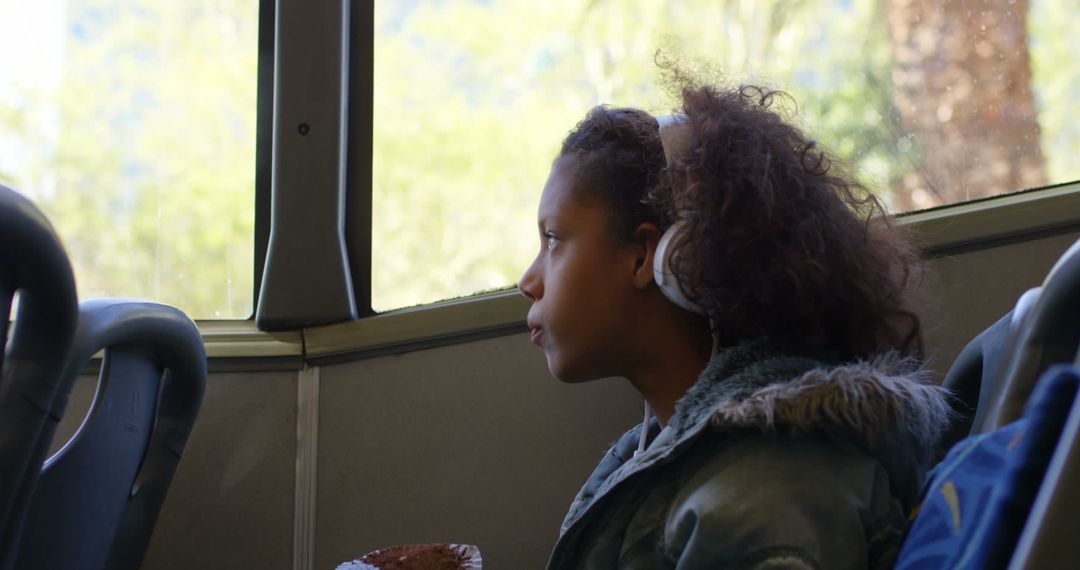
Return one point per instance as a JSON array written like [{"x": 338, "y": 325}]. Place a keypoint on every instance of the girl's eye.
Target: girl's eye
[{"x": 550, "y": 241}]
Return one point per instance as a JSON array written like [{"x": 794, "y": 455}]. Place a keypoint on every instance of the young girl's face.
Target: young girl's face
[{"x": 580, "y": 283}]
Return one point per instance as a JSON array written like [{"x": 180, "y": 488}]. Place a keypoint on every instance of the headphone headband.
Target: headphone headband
[
  {"x": 675, "y": 131},
  {"x": 676, "y": 135}
]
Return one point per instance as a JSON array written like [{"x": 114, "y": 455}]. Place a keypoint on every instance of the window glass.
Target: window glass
[
  {"x": 131, "y": 123},
  {"x": 930, "y": 102}
]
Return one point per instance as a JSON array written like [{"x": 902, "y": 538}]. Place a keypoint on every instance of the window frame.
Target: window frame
[
  {"x": 232, "y": 345},
  {"x": 940, "y": 232},
  {"x": 264, "y": 143}
]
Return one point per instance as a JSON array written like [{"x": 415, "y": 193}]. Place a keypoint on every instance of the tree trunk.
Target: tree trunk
[{"x": 962, "y": 84}]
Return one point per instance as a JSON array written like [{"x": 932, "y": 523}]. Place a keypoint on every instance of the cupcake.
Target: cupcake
[{"x": 418, "y": 557}]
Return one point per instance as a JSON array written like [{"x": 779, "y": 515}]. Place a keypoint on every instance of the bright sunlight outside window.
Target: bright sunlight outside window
[
  {"x": 930, "y": 102},
  {"x": 131, "y": 123}
]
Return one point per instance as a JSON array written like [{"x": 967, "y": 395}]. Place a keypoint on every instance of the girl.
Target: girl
[{"x": 755, "y": 296}]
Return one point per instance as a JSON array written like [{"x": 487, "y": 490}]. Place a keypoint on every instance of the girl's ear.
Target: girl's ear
[{"x": 646, "y": 238}]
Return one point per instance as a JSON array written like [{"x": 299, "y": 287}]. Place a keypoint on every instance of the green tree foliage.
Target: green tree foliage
[
  {"x": 473, "y": 98},
  {"x": 143, "y": 152},
  {"x": 143, "y": 155},
  {"x": 1055, "y": 66}
]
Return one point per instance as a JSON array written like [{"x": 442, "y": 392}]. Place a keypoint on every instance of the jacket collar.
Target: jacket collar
[{"x": 886, "y": 405}]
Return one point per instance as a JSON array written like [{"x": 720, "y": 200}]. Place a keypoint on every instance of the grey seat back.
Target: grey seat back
[
  {"x": 34, "y": 265},
  {"x": 99, "y": 496},
  {"x": 1049, "y": 334},
  {"x": 978, "y": 376},
  {"x": 993, "y": 375}
]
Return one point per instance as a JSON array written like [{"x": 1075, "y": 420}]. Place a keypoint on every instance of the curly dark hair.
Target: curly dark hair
[
  {"x": 619, "y": 158},
  {"x": 782, "y": 242}
]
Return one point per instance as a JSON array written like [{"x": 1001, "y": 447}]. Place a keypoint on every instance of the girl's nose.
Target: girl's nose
[{"x": 530, "y": 285}]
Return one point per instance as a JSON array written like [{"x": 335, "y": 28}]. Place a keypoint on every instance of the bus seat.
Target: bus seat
[
  {"x": 976, "y": 378},
  {"x": 997, "y": 494},
  {"x": 994, "y": 374},
  {"x": 1050, "y": 334},
  {"x": 99, "y": 496},
  {"x": 33, "y": 265},
  {"x": 999, "y": 491}
]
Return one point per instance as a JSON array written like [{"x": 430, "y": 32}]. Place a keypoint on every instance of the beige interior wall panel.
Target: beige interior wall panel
[
  {"x": 471, "y": 443},
  {"x": 970, "y": 291},
  {"x": 231, "y": 502},
  {"x": 474, "y": 443}
]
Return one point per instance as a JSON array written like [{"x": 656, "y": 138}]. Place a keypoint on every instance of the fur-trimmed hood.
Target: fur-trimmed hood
[
  {"x": 886, "y": 405},
  {"x": 688, "y": 496}
]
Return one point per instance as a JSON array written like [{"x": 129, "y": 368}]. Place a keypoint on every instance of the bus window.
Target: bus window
[
  {"x": 131, "y": 123},
  {"x": 931, "y": 103}
]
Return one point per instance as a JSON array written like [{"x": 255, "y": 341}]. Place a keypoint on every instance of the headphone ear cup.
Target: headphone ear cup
[{"x": 662, "y": 274}]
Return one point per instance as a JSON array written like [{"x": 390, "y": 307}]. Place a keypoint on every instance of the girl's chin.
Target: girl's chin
[{"x": 568, "y": 374}]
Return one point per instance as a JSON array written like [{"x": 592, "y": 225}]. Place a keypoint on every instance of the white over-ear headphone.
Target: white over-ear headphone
[
  {"x": 674, "y": 136},
  {"x": 662, "y": 272}
]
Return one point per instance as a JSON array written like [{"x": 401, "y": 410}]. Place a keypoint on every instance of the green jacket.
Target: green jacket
[{"x": 769, "y": 462}]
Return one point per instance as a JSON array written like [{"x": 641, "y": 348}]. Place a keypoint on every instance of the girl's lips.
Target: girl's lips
[{"x": 535, "y": 337}]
